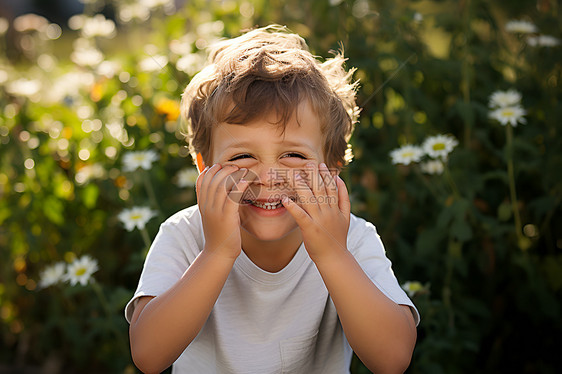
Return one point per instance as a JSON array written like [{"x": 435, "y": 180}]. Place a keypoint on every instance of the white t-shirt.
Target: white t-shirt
[{"x": 262, "y": 322}]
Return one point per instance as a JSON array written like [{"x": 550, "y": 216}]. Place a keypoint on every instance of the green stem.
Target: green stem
[
  {"x": 465, "y": 84},
  {"x": 145, "y": 237},
  {"x": 451, "y": 181},
  {"x": 453, "y": 251},
  {"x": 107, "y": 309},
  {"x": 512, "y": 190},
  {"x": 429, "y": 186},
  {"x": 150, "y": 191},
  {"x": 103, "y": 301}
]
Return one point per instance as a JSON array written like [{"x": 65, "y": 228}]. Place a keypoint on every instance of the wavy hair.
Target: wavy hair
[{"x": 264, "y": 70}]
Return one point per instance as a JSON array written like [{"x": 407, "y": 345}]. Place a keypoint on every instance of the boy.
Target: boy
[{"x": 269, "y": 272}]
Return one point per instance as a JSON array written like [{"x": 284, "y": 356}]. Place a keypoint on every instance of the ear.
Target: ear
[
  {"x": 200, "y": 163},
  {"x": 336, "y": 172}
]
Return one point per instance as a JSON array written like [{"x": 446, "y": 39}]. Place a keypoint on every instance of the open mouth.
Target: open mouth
[{"x": 264, "y": 205}]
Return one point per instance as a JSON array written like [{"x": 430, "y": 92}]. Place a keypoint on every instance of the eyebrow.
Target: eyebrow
[{"x": 246, "y": 144}]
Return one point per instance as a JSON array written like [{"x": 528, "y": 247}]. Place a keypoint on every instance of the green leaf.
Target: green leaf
[
  {"x": 53, "y": 209},
  {"x": 90, "y": 195},
  {"x": 461, "y": 230}
]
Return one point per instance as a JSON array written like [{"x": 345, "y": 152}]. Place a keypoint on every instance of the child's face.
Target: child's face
[{"x": 271, "y": 156}]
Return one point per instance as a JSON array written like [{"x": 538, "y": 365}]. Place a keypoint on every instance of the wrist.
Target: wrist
[
  {"x": 220, "y": 254},
  {"x": 331, "y": 259}
]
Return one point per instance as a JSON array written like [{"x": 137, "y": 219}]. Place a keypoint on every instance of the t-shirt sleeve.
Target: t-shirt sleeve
[
  {"x": 365, "y": 244},
  {"x": 171, "y": 253}
]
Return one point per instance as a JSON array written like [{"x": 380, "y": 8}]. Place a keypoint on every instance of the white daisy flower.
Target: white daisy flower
[
  {"x": 137, "y": 217},
  {"x": 153, "y": 63},
  {"x": 190, "y": 63},
  {"x": 129, "y": 12},
  {"x": 187, "y": 177},
  {"x": 543, "y": 41},
  {"x": 413, "y": 288},
  {"x": 108, "y": 68},
  {"x": 4, "y": 24},
  {"x": 30, "y": 22},
  {"x": 87, "y": 56},
  {"x": 509, "y": 115},
  {"x": 139, "y": 159},
  {"x": 24, "y": 87},
  {"x": 89, "y": 172},
  {"x": 81, "y": 270},
  {"x": 520, "y": 27},
  {"x": 502, "y": 99},
  {"x": 406, "y": 154},
  {"x": 432, "y": 167},
  {"x": 153, "y": 4},
  {"x": 52, "y": 275},
  {"x": 98, "y": 25},
  {"x": 439, "y": 146}
]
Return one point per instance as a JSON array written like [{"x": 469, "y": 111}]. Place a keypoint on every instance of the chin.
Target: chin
[{"x": 268, "y": 229}]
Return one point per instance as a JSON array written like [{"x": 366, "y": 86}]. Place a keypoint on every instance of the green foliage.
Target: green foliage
[{"x": 484, "y": 236}]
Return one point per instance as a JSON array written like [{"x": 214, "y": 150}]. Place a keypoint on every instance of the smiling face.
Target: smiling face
[{"x": 262, "y": 147}]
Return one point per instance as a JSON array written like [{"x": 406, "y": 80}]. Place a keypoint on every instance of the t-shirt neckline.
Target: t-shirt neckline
[{"x": 253, "y": 271}]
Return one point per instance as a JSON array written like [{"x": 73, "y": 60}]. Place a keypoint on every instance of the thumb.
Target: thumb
[{"x": 343, "y": 197}]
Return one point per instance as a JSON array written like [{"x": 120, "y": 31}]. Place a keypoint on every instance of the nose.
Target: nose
[{"x": 271, "y": 175}]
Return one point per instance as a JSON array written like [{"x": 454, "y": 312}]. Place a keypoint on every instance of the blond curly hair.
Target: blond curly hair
[{"x": 264, "y": 70}]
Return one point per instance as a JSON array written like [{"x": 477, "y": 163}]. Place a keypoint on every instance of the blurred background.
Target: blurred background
[{"x": 457, "y": 159}]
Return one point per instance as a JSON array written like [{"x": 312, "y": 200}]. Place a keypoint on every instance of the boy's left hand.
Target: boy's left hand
[{"x": 322, "y": 210}]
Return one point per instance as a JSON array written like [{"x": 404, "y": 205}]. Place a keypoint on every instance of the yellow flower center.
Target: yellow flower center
[
  {"x": 507, "y": 113},
  {"x": 139, "y": 157},
  {"x": 80, "y": 271},
  {"x": 416, "y": 286},
  {"x": 136, "y": 217},
  {"x": 438, "y": 146},
  {"x": 407, "y": 154}
]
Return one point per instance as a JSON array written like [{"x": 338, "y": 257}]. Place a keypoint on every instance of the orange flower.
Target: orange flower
[{"x": 171, "y": 108}]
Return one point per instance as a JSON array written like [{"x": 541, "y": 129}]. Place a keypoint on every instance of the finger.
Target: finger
[
  {"x": 199, "y": 182},
  {"x": 305, "y": 197},
  {"x": 313, "y": 179},
  {"x": 217, "y": 192},
  {"x": 232, "y": 204},
  {"x": 299, "y": 214},
  {"x": 330, "y": 184},
  {"x": 233, "y": 178},
  {"x": 205, "y": 182},
  {"x": 343, "y": 197},
  {"x": 231, "y": 184}
]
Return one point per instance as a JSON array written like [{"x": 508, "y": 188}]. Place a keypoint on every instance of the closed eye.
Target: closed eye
[
  {"x": 239, "y": 157},
  {"x": 293, "y": 154}
]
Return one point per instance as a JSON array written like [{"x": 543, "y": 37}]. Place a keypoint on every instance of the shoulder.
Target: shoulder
[
  {"x": 188, "y": 218},
  {"x": 362, "y": 235},
  {"x": 185, "y": 224},
  {"x": 359, "y": 227}
]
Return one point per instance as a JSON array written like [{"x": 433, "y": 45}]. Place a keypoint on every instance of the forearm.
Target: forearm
[
  {"x": 170, "y": 322},
  {"x": 381, "y": 332}
]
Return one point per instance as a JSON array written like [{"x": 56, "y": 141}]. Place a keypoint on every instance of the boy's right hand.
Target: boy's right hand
[{"x": 219, "y": 191}]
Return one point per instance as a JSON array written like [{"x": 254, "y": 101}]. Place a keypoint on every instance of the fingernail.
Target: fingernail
[
  {"x": 206, "y": 168},
  {"x": 323, "y": 165},
  {"x": 298, "y": 176}
]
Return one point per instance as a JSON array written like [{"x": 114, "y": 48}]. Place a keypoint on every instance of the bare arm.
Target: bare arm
[
  {"x": 381, "y": 332},
  {"x": 162, "y": 327}
]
